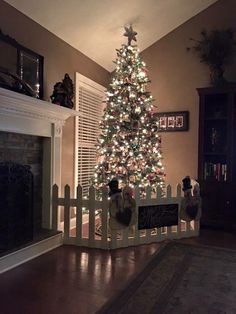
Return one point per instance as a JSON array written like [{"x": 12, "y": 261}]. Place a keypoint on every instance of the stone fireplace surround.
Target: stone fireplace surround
[{"x": 26, "y": 115}]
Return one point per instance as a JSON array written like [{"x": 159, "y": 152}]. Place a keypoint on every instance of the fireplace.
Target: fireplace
[{"x": 30, "y": 163}]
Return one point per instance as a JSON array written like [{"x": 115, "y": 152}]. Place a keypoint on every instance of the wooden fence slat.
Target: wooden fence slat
[
  {"x": 159, "y": 193},
  {"x": 148, "y": 198},
  {"x": 158, "y": 236},
  {"x": 136, "y": 234},
  {"x": 148, "y": 193},
  {"x": 67, "y": 212},
  {"x": 136, "y": 231},
  {"x": 168, "y": 197},
  {"x": 104, "y": 218},
  {"x": 91, "y": 207},
  {"x": 55, "y": 207},
  {"x": 169, "y": 232},
  {"x": 168, "y": 191},
  {"x": 178, "y": 191},
  {"x": 178, "y": 195},
  {"x": 79, "y": 217}
]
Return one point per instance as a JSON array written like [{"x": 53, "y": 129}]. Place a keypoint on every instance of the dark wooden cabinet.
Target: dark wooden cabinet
[{"x": 217, "y": 156}]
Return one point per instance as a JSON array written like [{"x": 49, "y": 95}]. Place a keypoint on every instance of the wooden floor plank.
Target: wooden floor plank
[{"x": 78, "y": 280}]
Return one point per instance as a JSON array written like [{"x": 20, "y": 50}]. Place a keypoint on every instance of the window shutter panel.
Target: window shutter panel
[{"x": 89, "y": 98}]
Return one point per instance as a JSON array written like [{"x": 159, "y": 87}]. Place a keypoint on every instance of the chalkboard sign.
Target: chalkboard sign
[{"x": 157, "y": 216}]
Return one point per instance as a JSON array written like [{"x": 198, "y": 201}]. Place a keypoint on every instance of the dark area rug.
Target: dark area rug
[{"x": 182, "y": 279}]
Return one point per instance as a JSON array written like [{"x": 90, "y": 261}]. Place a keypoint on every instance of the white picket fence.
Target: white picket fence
[{"x": 84, "y": 231}]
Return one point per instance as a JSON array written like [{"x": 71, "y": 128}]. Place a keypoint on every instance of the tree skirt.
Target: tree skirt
[{"x": 180, "y": 279}]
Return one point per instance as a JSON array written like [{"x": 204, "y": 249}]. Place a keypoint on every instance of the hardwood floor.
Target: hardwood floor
[{"x": 73, "y": 280}]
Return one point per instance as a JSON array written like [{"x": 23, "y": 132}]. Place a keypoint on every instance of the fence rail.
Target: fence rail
[{"x": 86, "y": 220}]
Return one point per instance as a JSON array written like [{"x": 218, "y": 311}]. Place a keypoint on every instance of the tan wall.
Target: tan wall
[
  {"x": 59, "y": 58},
  {"x": 175, "y": 75}
]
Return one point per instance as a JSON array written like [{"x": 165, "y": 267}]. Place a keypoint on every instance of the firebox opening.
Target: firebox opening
[{"x": 21, "y": 160}]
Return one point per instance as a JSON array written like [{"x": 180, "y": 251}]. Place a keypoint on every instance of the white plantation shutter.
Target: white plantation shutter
[{"x": 89, "y": 97}]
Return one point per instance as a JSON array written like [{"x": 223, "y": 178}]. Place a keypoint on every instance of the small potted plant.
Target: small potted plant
[{"x": 216, "y": 49}]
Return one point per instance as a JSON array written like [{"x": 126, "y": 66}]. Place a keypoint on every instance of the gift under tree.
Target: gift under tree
[{"x": 129, "y": 145}]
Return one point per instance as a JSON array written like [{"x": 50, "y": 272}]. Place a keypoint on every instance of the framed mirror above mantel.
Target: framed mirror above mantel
[{"x": 19, "y": 65}]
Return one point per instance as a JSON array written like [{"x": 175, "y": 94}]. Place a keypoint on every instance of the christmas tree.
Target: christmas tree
[{"x": 129, "y": 145}]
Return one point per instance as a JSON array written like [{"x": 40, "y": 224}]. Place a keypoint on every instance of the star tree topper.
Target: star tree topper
[{"x": 130, "y": 33}]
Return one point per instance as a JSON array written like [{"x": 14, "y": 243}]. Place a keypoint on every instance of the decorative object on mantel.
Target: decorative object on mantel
[
  {"x": 22, "y": 63},
  {"x": 173, "y": 121},
  {"x": 215, "y": 49},
  {"x": 13, "y": 82},
  {"x": 63, "y": 93}
]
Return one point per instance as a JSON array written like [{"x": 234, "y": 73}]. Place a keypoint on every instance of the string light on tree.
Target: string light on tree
[{"x": 129, "y": 147}]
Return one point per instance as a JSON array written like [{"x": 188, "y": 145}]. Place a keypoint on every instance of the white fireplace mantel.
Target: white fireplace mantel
[
  {"x": 19, "y": 105},
  {"x": 27, "y": 115}
]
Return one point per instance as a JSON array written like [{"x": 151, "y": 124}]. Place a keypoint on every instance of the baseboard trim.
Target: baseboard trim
[{"x": 25, "y": 254}]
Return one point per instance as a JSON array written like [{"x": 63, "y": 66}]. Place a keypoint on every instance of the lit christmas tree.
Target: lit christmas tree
[{"x": 129, "y": 145}]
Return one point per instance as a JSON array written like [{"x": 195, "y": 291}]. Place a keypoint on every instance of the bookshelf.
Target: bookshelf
[{"x": 217, "y": 156}]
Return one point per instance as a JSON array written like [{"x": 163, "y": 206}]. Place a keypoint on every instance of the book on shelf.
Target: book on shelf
[{"x": 218, "y": 171}]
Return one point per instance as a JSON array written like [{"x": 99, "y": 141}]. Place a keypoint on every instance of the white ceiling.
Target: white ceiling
[{"x": 95, "y": 27}]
